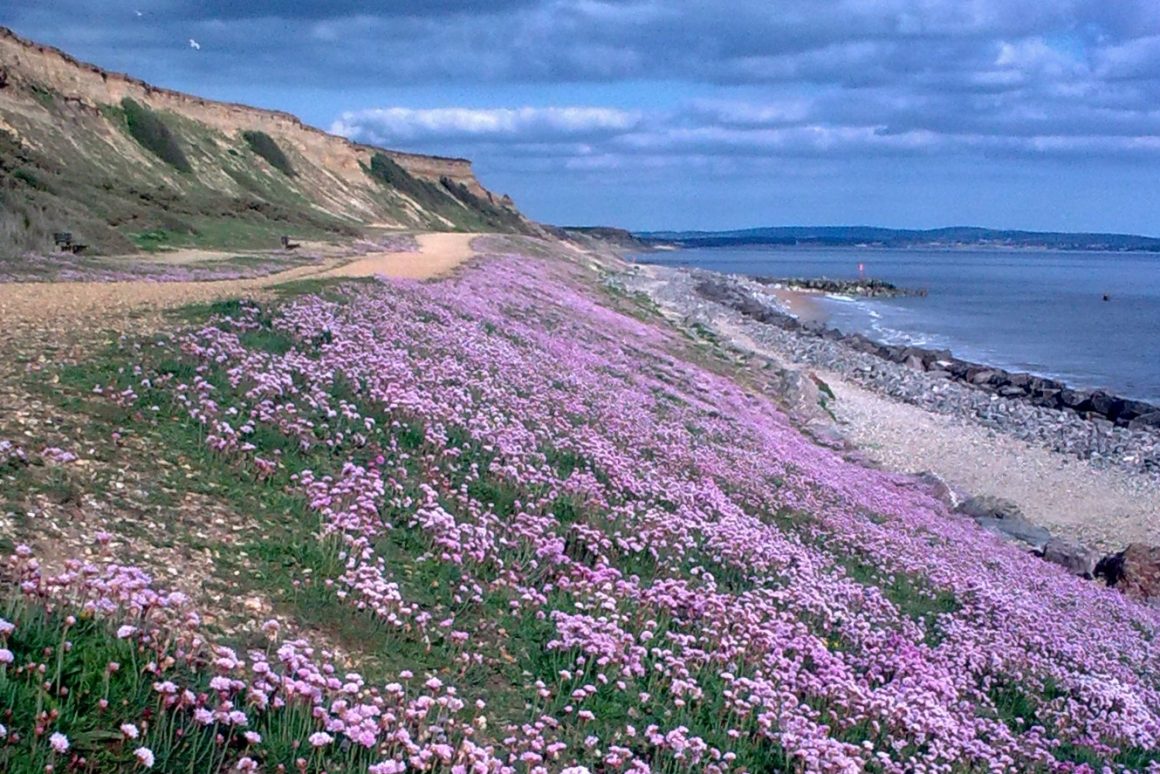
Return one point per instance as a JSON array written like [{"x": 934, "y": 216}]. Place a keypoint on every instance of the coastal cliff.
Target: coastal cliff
[{"x": 123, "y": 163}]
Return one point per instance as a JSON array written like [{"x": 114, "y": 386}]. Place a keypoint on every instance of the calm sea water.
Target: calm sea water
[{"x": 1037, "y": 311}]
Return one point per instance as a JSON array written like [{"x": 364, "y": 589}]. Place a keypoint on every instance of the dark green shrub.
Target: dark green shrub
[
  {"x": 492, "y": 214},
  {"x": 28, "y": 177},
  {"x": 151, "y": 132},
  {"x": 263, "y": 145},
  {"x": 384, "y": 169}
]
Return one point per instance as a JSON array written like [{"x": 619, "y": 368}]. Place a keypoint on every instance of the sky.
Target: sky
[{"x": 686, "y": 114}]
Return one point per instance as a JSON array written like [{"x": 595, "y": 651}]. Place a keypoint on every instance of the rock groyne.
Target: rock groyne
[{"x": 1094, "y": 405}]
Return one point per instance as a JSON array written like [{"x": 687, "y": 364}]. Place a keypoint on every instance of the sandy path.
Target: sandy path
[
  {"x": 438, "y": 253},
  {"x": 29, "y": 307}
]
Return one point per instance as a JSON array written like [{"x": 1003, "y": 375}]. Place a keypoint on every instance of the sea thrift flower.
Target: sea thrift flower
[
  {"x": 6, "y": 656},
  {"x": 129, "y": 730},
  {"x": 59, "y": 742},
  {"x": 320, "y": 739},
  {"x": 387, "y": 767},
  {"x": 145, "y": 756}
]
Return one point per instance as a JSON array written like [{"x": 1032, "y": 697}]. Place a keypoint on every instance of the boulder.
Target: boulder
[
  {"x": 1074, "y": 557},
  {"x": 958, "y": 368},
  {"x": 1003, "y": 518},
  {"x": 1047, "y": 396},
  {"x": 892, "y": 352},
  {"x": 935, "y": 355},
  {"x": 982, "y": 376},
  {"x": 1135, "y": 571},
  {"x": 1133, "y": 409},
  {"x": 1145, "y": 421},
  {"x": 941, "y": 489},
  {"x": 914, "y": 362},
  {"x": 1020, "y": 379},
  {"x": 1102, "y": 403},
  {"x": 1018, "y": 530},
  {"x": 989, "y": 507}
]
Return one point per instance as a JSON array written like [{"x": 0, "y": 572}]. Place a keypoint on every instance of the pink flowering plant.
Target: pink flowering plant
[{"x": 561, "y": 539}]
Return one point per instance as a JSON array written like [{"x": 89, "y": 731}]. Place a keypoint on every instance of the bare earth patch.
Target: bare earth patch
[{"x": 188, "y": 540}]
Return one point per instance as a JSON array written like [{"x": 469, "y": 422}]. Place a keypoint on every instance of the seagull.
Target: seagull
[{"x": 194, "y": 45}]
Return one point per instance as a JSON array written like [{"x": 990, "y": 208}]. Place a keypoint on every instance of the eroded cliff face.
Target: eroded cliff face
[{"x": 65, "y": 127}]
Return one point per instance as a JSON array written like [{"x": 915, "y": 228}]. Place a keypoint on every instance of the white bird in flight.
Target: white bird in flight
[{"x": 194, "y": 45}]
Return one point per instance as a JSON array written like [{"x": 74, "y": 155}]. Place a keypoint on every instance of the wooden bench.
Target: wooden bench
[
  {"x": 65, "y": 244},
  {"x": 288, "y": 245}
]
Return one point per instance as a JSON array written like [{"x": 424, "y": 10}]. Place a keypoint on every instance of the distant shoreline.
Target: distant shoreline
[
  {"x": 811, "y": 246},
  {"x": 866, "y": 237}
]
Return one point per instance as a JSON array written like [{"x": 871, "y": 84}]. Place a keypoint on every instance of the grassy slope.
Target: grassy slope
[
  {"x": 281, "y": 558},
  {"x": 127, "y": 177}
]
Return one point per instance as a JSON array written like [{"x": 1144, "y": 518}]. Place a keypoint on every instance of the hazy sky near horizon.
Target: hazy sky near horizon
[{"x": 656, "y": 114}]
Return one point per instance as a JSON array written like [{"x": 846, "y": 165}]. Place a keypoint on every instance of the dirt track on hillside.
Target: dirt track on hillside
[{"x": 28, "y": 307}]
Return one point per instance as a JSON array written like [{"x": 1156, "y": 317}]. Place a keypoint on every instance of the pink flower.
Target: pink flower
[
  {"x": 126, "y": 632},
  {"x": 59, "y": 742},
  {"x": 387, "y": 767},
  {"x": 129, "y": 730},
  {"x": 145, "y": 756},
  {"x": 6, "y": 656},
  {"x": 320, "y": 739},
  {"x": 246, "y": 764}
]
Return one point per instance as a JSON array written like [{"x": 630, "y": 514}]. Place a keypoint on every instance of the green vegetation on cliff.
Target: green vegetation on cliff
[
  {"x": 264, "y": 145},
  {"x": 150, "y": 130},
  {"x": 158, "y": 170}
]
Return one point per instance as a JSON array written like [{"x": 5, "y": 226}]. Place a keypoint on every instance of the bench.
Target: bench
[
  {"x": 288, "y": 245},
  {"x": 65, "y": 244}
]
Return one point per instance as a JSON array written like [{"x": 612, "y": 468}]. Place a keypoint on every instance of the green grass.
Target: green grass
[
  {"x": 264, "y": 145},
  {"x": 151, "y": 131}
]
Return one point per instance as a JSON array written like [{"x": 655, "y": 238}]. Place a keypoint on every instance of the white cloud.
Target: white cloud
[{"x": 523, "y": 124}]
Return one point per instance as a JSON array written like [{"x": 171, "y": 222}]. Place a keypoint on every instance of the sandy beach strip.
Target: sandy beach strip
[
  {"x": 1101, "y": 506},
  {"x": 805, "y": 306}
]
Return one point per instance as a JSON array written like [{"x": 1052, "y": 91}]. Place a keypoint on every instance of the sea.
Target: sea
[{"x": 1041, "y": 311}]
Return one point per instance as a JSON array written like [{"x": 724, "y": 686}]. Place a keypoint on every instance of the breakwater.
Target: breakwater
[
  {"x": 862, "y": 288},
  {"x": 1096, "y": 405}
]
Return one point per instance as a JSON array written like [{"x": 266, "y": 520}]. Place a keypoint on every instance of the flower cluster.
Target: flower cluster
[{"x": 638, "y": 558}]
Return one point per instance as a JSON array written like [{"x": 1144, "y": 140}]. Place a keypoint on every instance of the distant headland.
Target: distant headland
[{"x": 869, "y": 236}]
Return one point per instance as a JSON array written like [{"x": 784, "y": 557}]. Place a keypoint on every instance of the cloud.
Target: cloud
[
  {"x": 525, "y": 124},
  {"x": 653, "y": 87}
]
